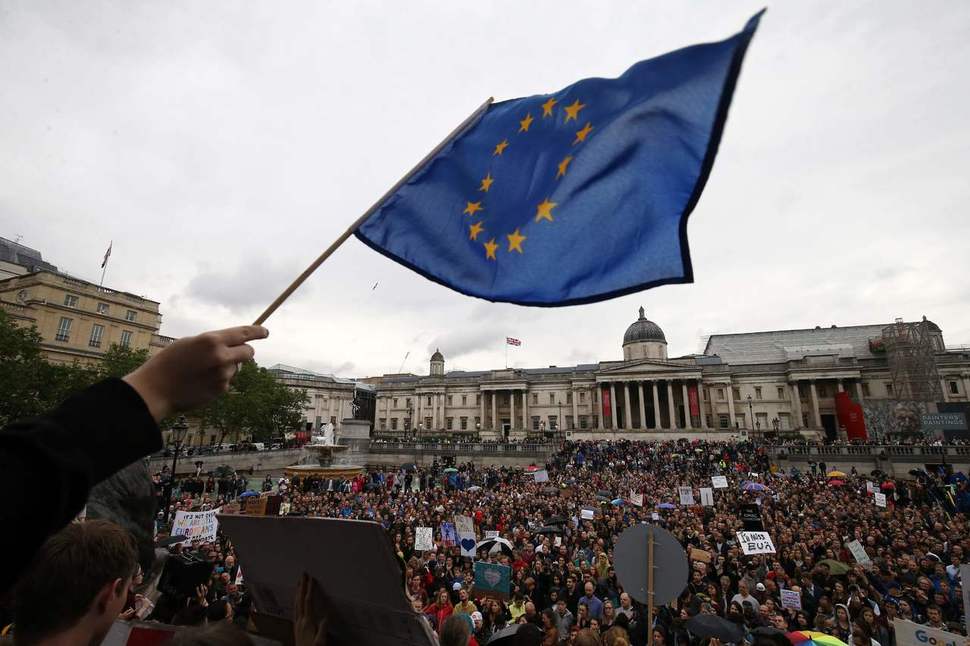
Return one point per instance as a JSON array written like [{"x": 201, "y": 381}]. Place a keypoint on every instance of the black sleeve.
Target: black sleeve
[{"x": 49, "y": 464}]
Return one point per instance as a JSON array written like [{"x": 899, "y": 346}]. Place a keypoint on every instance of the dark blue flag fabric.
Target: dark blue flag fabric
[{"x": 570, "y": 197}]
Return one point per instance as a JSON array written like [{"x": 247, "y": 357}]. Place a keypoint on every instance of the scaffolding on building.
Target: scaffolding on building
[{"x": 911, "y": 354}]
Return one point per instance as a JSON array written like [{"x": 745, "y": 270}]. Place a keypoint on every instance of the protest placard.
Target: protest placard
[
  {"x": 911, "y": 634},
  {"x": 636, "y": 498},
  {"x": 467, "y": 543},
  {"x": 254, "y": 505},
  {"x": 492, "y": 579},
  {"x": 859, "y": 553},
  {"x": 654, "y": 516},
  {"x": 707, "y": 496},
  {"x": 196, "y": 525},
  {"x": 541, "y": 475},
  {"x": 791, "y": 599},
  {"x": 755, "y": 543},
  {"x": 699, "y": 555},
  {"x": 880, "y": 499},
  {"x": 423, "y": 539},
  {"x": 449, "y": 535},
  {"x": 870, "y": 486},
  {"x": 464, "y": 524},
  {"x": 491, "y": 533},
  {"x": 719, "y": 482},
  {"x": 587, "y": 514},
  {"x": 686, "y": 495}
]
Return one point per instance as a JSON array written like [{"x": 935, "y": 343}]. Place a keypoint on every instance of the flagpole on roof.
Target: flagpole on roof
[
  {"x": 104, "y": 263},
  {"x": 369, "y": 212}
]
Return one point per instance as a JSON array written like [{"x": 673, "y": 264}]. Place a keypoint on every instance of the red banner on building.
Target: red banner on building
[
  {"x": 850, "y": 417},
  {"x": 607, "y": 411},
  {"x": 695, "y": 408}
]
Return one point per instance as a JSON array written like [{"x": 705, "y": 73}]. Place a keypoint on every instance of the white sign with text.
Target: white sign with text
[
  {"x": 755, "y": 543},
  {"x": 719, "y": 482}
]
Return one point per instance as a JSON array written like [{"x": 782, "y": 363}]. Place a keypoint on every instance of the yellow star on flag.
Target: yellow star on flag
[
  {"x": 547, "y": 107},
  {"x": 472, "y": 207},
  {"x": 582, "y": 134},
  {"x": 572, "y": 111},
  {"x": 515, "y": 241},
  {"x": 525, "y": 123},
  {"x": 474, "y": 230},
  {"x": 563, "y": 165},
  {"x": 544, "y": 210},
  {"x": 486, "y": 183},
  {"x": 500, "y": 148},
  {"x": 490, "y": 248}
]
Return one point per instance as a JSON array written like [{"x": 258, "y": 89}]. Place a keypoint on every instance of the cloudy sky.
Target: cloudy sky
[{"x": 223, "y": 145}]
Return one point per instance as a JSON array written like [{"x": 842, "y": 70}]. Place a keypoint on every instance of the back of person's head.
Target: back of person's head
[
  {"x": 85, "y": 568},
  {"x": 220, "y": 634},
  {"x": 616, "y": 636},
  {"x": 587, "y": 637},
  {"x": 455, "y": 631}
]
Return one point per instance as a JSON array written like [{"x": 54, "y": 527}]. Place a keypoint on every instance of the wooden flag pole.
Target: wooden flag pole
[
  {"x": 472, "y": 119},
  {"x": 649, "y": 585}
]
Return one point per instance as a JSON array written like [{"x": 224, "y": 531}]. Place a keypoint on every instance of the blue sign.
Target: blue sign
[{"x": 493, "y": 579}]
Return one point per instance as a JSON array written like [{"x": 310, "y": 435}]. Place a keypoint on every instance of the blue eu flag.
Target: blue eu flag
[{"x": 570, "y": 197}]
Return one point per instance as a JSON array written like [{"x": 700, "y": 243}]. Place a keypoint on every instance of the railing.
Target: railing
[
  {"x": 910, "y": 453},
  {"x": 464, "y": 448}
]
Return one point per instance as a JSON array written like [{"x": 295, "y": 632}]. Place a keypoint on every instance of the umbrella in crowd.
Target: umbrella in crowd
[
  {"x": 248, "y": 494},
  {"x": 548, "y": 530},
  {"x": 835, "y": 482},
  {"x": 496, "y": 544},
  {"x": 666, "y": 505},
  {"x": 753, "y": 486},
  {"x": 617, "y": 502},
  {"x": 812, "y": 638},
  {"x": 474, "y": 488},
  {"x": 837, "y": 568},
  {"x": 531, "y": 468},
  {"x": 711, "y": 626},
  {"x": 835, "y": 474},
  {"x": 451, "y": 470}
]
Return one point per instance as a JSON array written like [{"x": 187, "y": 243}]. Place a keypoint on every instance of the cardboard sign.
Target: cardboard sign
[
  {"x": 751, "y": 517},
  {"x": 719, "y": 482},
  {"x": 491, "y": 533},
  {"x": 423, "y": 539},
  {"x": 910, "y": 634},
  {"x": 880, "y": 499},
  {"x": 467, "y": 543},
  {"x": 196, "y": 525},
  {"x": 755, "y": 543},
  {"x": 541, "y": 475},
  {"x": 699, "y": 555},
  {"x": 449, "y": 535},
  {"x": 707, "y": 496},
  {"x": 791, "y": 599},
  {"x": 254, "y": 505},
  {"x": 636, "y": 498},
  {"x": 686, "y": 495},
  {"x": 464, "y": 524},
  {"x": 587, "y": 514},
  {"x": 557, "y": 542},
  {"x": 493, "y": 579},
  {"x": 859, "y": 553}
]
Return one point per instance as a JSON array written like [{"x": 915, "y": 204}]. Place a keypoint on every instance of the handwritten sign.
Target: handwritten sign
[
  {"x": 493, "y": 579},
  {"x": 196, "y": 525},
  {"x": 686, "y": 495},
  {"x": 880, "y": 499},
  {"x": 491, "y": 533},
  {"x": 423, "y": 539},
  {"x": 464, "y": 524},
  {"x": 719, "y": 482},
  {"x": 587, "y": 514},
  {"x": 791, "y": 599},
  {"x": 859, "y": 553},
  {"x": 755, "y": 543},
  {"x": 707, "y": 496},
  {"x": 636, "y": 498}
]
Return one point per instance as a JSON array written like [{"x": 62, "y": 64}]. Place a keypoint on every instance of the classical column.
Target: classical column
[
  {"x": 481, "y": 408},
  {"x": 858, "y": 391},
  {"x": 525, "y": 411},
  {"x": 628, "y": 419},
  {"x": 966, "y": 385},
  {"x": 796, "y": 404},
  {"x": 730, "y": 398},
  {"x": 643, "y": 412},
  {"x": 575, "y": 395},
  {"x": 700, "y": 404},
  {"x": 512, "y": 409},
  {"x": 494, "y": 426},
  {"x": 688, "y": 422},
  {"x": 656, "y": 406},
  {"x": 817, "y": 416},
  {"x": 943, "y": 389},
  {"x": 670, "y": 405},
  {"x": 613, "y": 406}
]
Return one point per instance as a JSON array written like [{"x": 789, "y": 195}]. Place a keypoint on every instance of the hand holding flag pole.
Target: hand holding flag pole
[{"x": 457, "y": 132}]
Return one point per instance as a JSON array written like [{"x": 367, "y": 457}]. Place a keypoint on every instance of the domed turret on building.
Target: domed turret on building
[
  {"x": 437, "y": 364},
  {"x": 644, "y": 340}
]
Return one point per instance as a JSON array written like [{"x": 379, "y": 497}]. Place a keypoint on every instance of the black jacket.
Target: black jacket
[{"x": 49, "y": 464}]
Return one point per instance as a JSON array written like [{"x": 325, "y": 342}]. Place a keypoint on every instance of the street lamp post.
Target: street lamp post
[
  {"x": 179, "y": 430},
  {"x": 750, "y": 414}
]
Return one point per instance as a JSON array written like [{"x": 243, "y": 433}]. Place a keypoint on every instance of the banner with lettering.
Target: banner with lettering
[{"x": 196, "y": 525}]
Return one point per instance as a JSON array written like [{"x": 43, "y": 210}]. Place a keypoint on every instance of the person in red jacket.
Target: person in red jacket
[{"x": 441, "y": 609}]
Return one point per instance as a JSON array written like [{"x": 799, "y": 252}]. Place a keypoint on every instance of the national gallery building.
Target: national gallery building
[{"x": 753, "y": 382}]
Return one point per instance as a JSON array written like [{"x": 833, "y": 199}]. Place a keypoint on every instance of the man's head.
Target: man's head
[
  {"x": 78, "y": 580},
  {"x": 588, "y": 589},
  {"x": 561, "y": 606}
]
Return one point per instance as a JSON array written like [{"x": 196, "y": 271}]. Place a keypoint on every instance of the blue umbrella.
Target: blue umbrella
[
  {"x": 617, "y": 502},
  {"x": 248, "y": 494},
  {"x": 753, "y": 486},
  {"x": 666, "y": 505}
]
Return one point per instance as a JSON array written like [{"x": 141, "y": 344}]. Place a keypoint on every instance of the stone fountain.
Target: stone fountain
[{"x": 327, "y": 465}]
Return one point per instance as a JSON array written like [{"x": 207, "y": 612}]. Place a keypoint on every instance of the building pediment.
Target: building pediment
[{"x": 646, "y": 369}]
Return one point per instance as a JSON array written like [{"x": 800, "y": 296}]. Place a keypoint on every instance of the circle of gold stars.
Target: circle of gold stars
[{"x": 544, "y": 210}]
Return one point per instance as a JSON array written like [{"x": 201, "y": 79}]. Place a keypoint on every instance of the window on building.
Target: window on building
[
  {"x": 393, "y": 423},
  {"x": 382, "y": 423},
  {"x": 63, "y": 329},
  {"x": 395, "y": 402},
  {"x": 463, "y": 421},
  {"x": 429, "y": 400},
  {"x": 720, "y": 393},
  {"x": 582, "y": 397},
  {"x": 535, "y": 398},
  {"x": 70, "y": 300},
  {"x": 569, "y": 398},
  {"x": 889, "y": 389},
  {"x": 130, "y": 315},
  {"x": 103, "y": 308},
  {"x": 551, "y": 424},
  {"x": 723, "y": 421},
  {"x": 736, "y": 393},
  {"x": 739, "y": 421},
  {"x": 781, "y": 393},
  {"x": 583, "y": 421},
  {"x": 552, "y": 398},
  {"x": 865, "y": 389},
  {"x": 757, "y": 392},
  {"x": 784, "y": 421},
  {"x": 535, "y": 422},
  {"x": 97, "y": 331},
  {"x": 407, "y": 402},
  {"x": 125, "y": 338},
  {"x": 449, "y": 423},
  {"x": 464, "y": 400},
  {"x": 954, "y": 389}
]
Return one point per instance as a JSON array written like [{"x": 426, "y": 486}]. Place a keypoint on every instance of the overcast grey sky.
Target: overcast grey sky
[{"x": 223, "y": 145}]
